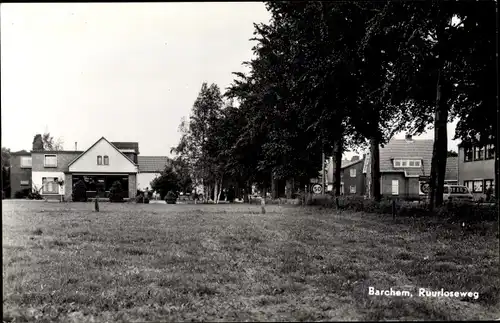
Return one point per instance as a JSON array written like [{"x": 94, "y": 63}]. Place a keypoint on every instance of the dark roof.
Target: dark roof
[
  {"x": 152, "y": 164},
  {"x": 127, "y": 145},
  {"x": 76, "y": 152},
  {"x": 451, "y": 168},
  {"x": 349, "y": 163},
  {"x": 21, "y": 152},
  {"x": 401, "y": 148}
]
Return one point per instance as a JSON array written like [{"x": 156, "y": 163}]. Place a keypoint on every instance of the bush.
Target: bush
[
  {"x": 116, "y": 192},
  {"x": 79, "y": 192},
  {"x": 231, "y": 194},
  {"x": 22, "y": 194},
  {"x": 35, "y": 195},
  {"x": 171, "y": 197},
  {"x": 142, "y": 199}
]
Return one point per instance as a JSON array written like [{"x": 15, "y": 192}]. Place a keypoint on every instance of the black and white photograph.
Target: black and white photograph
[{"x": 276, "y": 161}]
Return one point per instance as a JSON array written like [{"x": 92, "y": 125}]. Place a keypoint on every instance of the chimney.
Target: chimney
[
  {"x": 354, "y": 158},
  {"x": 408, "y": 137},
  {"x": 76, "y": 146}
]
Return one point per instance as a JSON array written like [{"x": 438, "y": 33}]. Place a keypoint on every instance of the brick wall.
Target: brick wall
[
  {"x": 18, "y": 174},
  {"x": 68, "y": 186},
  {"x": 358, "y": 181},
  {"x": 132, "y": 185},
  {"x": 63, "y": 159}
]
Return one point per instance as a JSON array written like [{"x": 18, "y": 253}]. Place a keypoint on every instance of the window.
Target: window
[
  {"x": 407, "y": 163},
  {"x": 478, "y": 153},
  {"x": 25, "y": 182},
  {"x": 25, "y": 162},
  {"x": 352, "y": 189},
  {"x": 395, "y": 187},
  {"x": 477, "y": 186},
  {"x": 446, "y": 190},
  {"x": 489, "y": 183},
  {"x": 490, "y": 152},
  {"x": 469, "y": 186},
  {"x": 99, "y": 160},
  {"x": 467, "y": 154},
  {"x": 352, "y": 171},
  {"x": 50, "y": 185},
  {"x": 106, "y": 160},
  {"x": 50, "y": 161}
]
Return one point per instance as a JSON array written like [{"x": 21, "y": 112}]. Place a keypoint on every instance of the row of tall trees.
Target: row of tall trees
[{"x": 330, "y": 76}]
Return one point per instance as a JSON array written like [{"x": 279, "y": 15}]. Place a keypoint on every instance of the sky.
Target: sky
[{"x": 125, "y": 71}]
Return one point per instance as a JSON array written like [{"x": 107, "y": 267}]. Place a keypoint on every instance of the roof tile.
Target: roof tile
[{"x": 152, "y": 164}]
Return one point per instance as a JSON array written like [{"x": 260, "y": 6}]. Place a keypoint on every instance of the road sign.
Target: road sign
[{"x": 317, "y": 189}]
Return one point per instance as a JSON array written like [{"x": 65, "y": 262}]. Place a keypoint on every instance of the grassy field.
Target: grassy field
[{"x": 157, "y": 262}]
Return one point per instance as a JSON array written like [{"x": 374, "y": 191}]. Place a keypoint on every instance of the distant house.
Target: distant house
[
  {"x": 451, "y": 175},
  {"x": 150, "y": 167},
  {"x": 402, "y": 161},
  {"x": 20, "y": 171},
  {"x": 53, "y": 173},
  {"x": 351, "y": 174},
  {"x": 476, "y": 168}
]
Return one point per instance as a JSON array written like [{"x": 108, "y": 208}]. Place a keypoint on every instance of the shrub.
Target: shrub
[
  {"x": 35, "y": 195},
  {"x": 116, "y": 192},
  {"x": 79, "y": 192},
  {"x": 231, "y": 194},
  {"x": 22, "y": 194},
  {"x": 142, "y": 199},
  {"x": 171, "y": 197}
]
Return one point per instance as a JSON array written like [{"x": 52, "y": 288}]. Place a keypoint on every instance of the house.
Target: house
[
  {"x": 351, "y": 174},
  {"x": 451, "y": 175},
  {"x": 476, "y": 168},
  {"x": 53, "y": 173},
  {"x": 402, "y": 162},
  {"x": 20, "y": 176},
  {"x": 150, "y": 167}
]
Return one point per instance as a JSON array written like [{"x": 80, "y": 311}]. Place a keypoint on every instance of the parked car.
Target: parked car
[{"x": 457, "y": 193}]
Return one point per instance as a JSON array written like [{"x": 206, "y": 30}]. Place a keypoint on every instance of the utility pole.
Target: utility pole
[{"x": 323, "y": 171}]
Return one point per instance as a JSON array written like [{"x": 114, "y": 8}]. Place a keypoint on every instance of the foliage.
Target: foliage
[
  {"x": 22, "y": 193},
  {"x": 167, "y": 181},
  {"x": 171, "y": 197},
  {"x": 116, "y": 192},
  {"x": 79, "y": 193},
  {"x": 6, "y": 157},
  {"x": 452, "y": 153},
  {"x": 50, "y": 144}
]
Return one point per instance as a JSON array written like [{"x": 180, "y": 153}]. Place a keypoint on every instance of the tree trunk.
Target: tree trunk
[
  {"x": 497, "y": 175},
  {"x": 274, "y": 187},
  {"x": 375, "y": 169},
  {"x": 440, "y": 148},
  {"x": 337, "y": 160},
  {"x": 263, "y": 201},
  {"x": 220, "y": 190},
  {"x": 288, "y": 189}
]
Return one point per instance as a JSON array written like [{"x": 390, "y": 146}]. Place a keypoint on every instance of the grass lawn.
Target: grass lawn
[{"x": 157, "y": 262}]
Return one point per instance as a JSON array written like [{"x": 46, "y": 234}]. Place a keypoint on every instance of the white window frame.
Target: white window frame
[
  {"x": 25, "y": 183},
  {"x": 395, "y": 187},
  {"x": 99, "y": 160},
  {"x": 45, "y": 185},
  {"x": 352, "y": 189},
  {"x": 45, "y": 160},
  {"x": 477, "y": 181},
  {"x": 25, "y": 164},
  {"x": 104, "y": 159},
  {"x": 405, "y": 163},
  {"x": 352, "y": 172}
]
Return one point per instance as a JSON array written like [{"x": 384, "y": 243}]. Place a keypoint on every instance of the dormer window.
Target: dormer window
[{"x": 407, "y": 163}]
